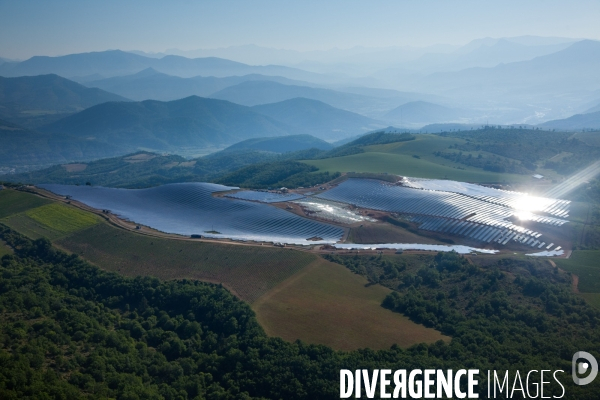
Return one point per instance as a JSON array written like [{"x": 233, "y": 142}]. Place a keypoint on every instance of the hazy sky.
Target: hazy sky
[{"x": 50, "y": 27}]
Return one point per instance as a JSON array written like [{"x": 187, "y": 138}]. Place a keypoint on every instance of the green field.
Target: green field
[
  {"x": 327, "y": 304},
  {"x": 62, "y": 218},
  {"x": 13, "y": 202},
  {"x": 424, "y": 146},
  {"x": 30, "y": 227},
  {"x": 249, "y": 271},
  {"x": 407, "y": 165},
  {"x": 586, "y": 265},
  {"x": 36, "y": 217},
  {"x": 400, "y": 158},
  {"x": 328, "y": 294}
]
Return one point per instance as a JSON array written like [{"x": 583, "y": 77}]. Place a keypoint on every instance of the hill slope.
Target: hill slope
[
  {"x": 578, "y": 121},
  {"x": 35, "y": 97},
  {"x": 190, "y": 122},
  {"x": 281, "y": 144},
  {"x": 317, "y": 118},
  {"x": 593, "y": 109}
]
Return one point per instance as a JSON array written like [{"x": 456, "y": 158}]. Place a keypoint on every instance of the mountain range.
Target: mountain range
[
  {"x": 51, "y": 109},
  {"x": 483, "y": 53},
  {"x": 253, "y": 93},
  {"x": 205, "y": 122},
  {"x": 360, "y": 60},
  {"x": 117, "y": 63},
  {"x": 150, "y": 84},
  {"x": 574, "y": 68},
  {"x": 514, "y": 80},
  {"x": 190, "y": 122},
  {"x": 126, "y": 102}
]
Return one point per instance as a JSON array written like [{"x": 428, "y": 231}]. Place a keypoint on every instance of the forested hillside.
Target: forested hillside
[
  {"x": 70, "y": 330},
  {"x": 36, "y": 100},
  {"x": 24, "y": 149},
  {"x": 190, "y": 122}
]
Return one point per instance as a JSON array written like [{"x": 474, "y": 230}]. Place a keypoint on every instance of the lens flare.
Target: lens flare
[{"x": 572, "y": 183}]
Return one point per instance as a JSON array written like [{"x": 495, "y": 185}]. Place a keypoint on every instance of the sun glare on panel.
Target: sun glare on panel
[{"x": 525, "y": 206}]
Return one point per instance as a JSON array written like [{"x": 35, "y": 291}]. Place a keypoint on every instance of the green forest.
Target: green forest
[
  {"x": 70, "y": 330},
  {"x": 530, "y": 147},
  {"x": 289, "y": 174}
]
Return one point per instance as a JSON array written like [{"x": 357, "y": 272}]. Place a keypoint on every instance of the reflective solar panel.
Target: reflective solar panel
[
  {"x": 449, "y": 201},
  {"x": 191, "y": 208}
]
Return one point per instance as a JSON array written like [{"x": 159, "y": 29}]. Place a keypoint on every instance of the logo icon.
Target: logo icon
[{"x": 580, "y": 367}]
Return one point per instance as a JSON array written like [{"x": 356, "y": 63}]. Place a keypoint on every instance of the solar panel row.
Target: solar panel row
[
  {"x": 190, "y": 208},
  {"x": 480, "y": 217},
  {"x": 505, "y": 198},
  {"x": 264, "y": 197}
]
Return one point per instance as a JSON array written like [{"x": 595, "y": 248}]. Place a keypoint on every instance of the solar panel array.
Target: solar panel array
[
  {"x": 190, "y": 208},
  {"x": 264, "y": 197},
  {"x": 556, "y": 207},
  {"x": 469, "y": 215}
]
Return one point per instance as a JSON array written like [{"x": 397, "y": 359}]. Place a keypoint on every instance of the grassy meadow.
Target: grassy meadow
[
  {"x": 36, "y": 217},
  {"x": 62, "y": 218},
  {"x": 30, "y": 227},
  {"x": 407, "y": 165},
  {"x": 413, "y": 158}
]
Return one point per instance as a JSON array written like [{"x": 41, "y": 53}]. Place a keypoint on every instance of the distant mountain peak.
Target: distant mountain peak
[{"x": 147, "y": 72}]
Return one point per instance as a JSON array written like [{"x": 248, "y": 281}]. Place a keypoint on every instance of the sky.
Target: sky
[{"x": 51, "y": 27}]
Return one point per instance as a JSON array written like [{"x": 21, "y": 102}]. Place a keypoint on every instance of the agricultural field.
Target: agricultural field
[
  {"x": 248, "y": 271},
  {"x": 13, "y": 202},
  {"x": 30, "y": 227},
  {"x": 584, "y": 264},
  {"x": 423, "y": 146},
  {"x": 36, "y": 217},
  {"x": 292, "y": 291},
  {"x": 62, "y": 218},
  {"x": 327, "y": 304},
  {"x": 408, "y": 165}
]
